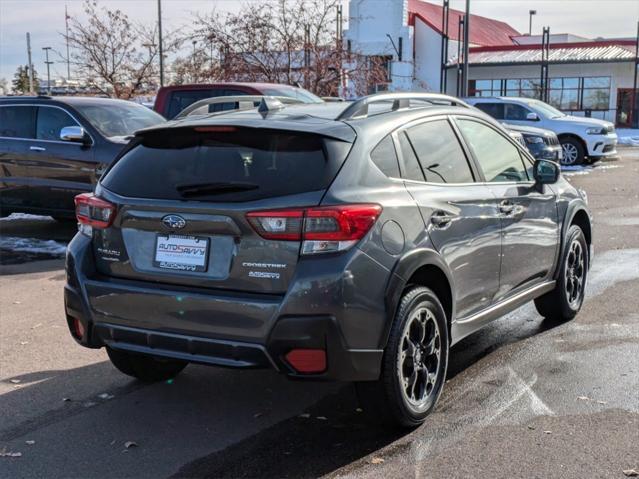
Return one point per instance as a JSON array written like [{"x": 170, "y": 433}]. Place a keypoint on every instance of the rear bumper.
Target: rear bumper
[{"x": 224, "y": 329}]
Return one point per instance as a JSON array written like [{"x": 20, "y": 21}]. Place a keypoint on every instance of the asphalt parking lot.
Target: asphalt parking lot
[{"x": 523, "y": 398}]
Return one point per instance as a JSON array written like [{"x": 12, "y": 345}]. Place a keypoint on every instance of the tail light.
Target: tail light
[
  {"x": 93, "y": 211},
  {"x": 322, "y": 230}
]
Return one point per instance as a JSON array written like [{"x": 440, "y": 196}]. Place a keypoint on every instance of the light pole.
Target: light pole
[
  {"x": 530, "y": 15},
  {"x": 160, "y": 43},
  {"x": 47, "y": 63}
]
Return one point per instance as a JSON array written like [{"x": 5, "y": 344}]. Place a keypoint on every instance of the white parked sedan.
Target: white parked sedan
[{"x": 581, "y": 138}]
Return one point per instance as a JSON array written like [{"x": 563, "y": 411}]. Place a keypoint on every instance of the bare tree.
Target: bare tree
[
  {"x": 285, "y": 41},
  {"x": 114, "y": 55}
]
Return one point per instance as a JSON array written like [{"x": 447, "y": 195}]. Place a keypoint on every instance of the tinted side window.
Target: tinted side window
[
  {"x": 50, "y": 121},
  {"x": 499, "y": 159},
  {"x": 439, "y": 153},
  {"x": 385, "y": 157},
  {"x": 412, "y": 170},
  {"x": 17, "y": 121},
  {"x": 516, "y": 112},
  {"x": 496, "y": 110},
  {"x": 181, "y": 99}
]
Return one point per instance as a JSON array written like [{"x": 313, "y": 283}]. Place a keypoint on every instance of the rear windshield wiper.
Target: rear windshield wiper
[{"x": 203, "y": 189}]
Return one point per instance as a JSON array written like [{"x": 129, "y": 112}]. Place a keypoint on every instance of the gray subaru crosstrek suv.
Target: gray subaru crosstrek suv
[{"x": 344, "y": 241}]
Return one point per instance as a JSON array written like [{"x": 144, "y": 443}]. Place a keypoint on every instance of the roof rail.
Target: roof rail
[
  {"x": 359, "y": 108},
  {"x": 244, "y": 102}
]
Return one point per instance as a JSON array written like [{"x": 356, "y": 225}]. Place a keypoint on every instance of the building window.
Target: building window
[
  {"x": 596, "y": 93},
  {"x": 484, "y": 88},
  {"x": 569, "y": 93}
]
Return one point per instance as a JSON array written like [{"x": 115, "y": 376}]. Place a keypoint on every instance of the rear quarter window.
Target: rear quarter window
[
  {"x": 17, "y": 121},
  {"x": 231, "y": 166},
  {"x": 385, "y": 158}
]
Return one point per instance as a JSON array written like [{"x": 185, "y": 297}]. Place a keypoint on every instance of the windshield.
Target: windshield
[
  {"x": 291, "y": 92},
  {"x": 546, "y": 109},
  {"x": 119, "y": 118}
]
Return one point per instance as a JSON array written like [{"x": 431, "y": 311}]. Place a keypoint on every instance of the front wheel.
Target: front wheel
[
  {"x": 573, "y": 152},
  {"x": 145, "y": 368},
  {"x": 564, "y": 302},
  {"x": 414, "y": 364}
]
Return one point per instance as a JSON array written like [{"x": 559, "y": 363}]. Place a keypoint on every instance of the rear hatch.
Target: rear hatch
[{"x": 182, "y": 196}]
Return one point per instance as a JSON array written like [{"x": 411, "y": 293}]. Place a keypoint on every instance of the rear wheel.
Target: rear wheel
[
  {"x": 145, "y": 368},
  {"x": 574, "y": 152},
  {"x": 564, "y": 302},
  {"x": 414, "y": 364}
]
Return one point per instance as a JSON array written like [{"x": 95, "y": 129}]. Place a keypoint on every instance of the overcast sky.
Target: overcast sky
[{"x": 45, "y": 20}]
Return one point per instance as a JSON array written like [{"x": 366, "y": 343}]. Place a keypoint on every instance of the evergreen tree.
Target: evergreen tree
[{"x": 21, "y": 80}]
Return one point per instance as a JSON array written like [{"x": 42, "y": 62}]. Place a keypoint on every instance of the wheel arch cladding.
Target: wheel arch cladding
[
  {"x": 581, "y": 141},
  {"x": 422, "y": 267},
  {"x": 581, "y": 219}
]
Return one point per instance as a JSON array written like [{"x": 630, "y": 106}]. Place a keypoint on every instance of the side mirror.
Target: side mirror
[
  {"x": 532, "y": 116},
  {"x": 76, "y": 134},
  {"x": 546, "y": 172}
]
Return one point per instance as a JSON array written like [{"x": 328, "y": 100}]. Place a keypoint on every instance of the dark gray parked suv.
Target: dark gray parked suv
[{"x": 344, "y": 241}]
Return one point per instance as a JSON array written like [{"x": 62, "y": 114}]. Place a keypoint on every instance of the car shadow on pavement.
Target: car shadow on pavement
[
  {"x": 335, "y": 431},
  {"x": 330, "y": 434}
]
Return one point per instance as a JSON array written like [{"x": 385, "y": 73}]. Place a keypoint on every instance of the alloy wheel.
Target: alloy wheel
[
  {"x": 574, "y": 271},
  {"x": 418, "y": 364},
  {"x": 571, "y": 154}
]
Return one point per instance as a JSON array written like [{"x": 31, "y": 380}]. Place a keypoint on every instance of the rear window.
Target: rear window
[
  {"x": 496, "y": 110},
  {"x": 240, "y": 164},
  {"x": 179, "y": 100}
]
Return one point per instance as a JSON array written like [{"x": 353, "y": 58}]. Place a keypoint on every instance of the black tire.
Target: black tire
[
  {"x": 573, "y": 151},
  {"x": 145, "y": 368},
  {"x": 564, "y": 302},
  {"x": 386, "y": 400}
]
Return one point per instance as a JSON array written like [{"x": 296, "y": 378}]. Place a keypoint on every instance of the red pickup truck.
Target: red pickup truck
[{"x": 171, "y": 100}]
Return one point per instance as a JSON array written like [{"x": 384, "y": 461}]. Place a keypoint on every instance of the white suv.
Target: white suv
[{"x": 581, "y": 138}]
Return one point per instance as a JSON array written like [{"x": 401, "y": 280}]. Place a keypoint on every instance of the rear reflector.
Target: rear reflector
[
  {"x": 78, "y": 328},
  {"x": 307, "y": 360},
  {"x": 93, "y": 211},
  {"x": 323, "y": 229}
]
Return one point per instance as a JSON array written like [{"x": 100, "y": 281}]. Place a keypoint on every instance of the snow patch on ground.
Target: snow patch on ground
[
  {"x": 26, "y": 216},
  {"x": 628, "y": 136},
  {"x": 32, "y": 245},
  {"x": 585, "y": 169}
]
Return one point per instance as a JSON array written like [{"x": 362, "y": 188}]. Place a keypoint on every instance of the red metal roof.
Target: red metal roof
[{"x": 483, "y": 31}]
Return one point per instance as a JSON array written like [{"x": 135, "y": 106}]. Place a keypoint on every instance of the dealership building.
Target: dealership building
[{"x": 585, "y": 76}]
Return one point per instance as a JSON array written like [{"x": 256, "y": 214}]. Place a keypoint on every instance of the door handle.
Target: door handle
[
  {"x": 37, "y": 148},
  {"x": 506, "y": 207},
  {"x": 441, "y": 219}
]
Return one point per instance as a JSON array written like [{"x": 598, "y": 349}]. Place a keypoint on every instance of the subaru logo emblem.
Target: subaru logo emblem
[{"x": 174, "y": 222}]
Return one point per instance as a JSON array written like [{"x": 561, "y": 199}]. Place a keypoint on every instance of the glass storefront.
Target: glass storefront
[{"x": 565, "y": 93}]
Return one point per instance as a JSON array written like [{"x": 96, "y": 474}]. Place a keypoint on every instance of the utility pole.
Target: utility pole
[
  {"x": 530, "y": 13},
  {"x": 48, "y": 63},
  {"x": 466, "y": 48},
  {"x": 634, "y": 107},
  {"x": 30, "y": 64},
  {"x": 160, "y": 43},
  {"x": 66, "y": 23},
  {"x": 193, "y": 76}
]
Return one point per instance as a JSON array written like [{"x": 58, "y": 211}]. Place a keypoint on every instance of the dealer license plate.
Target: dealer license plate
[{"x": 183, "y": 253}]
